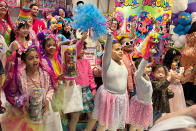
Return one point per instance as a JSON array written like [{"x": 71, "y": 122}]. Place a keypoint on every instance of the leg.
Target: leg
[
  {"x": 140, "y": 129},
  {"x": 91, "y": 122},
  {"x": 74, "y": 120},
  {"x": 132, "y": 128},
  {"x": 100, "y": 128}
]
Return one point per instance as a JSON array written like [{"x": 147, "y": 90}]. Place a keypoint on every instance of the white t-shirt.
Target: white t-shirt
[{"x": 3, "y": 46}]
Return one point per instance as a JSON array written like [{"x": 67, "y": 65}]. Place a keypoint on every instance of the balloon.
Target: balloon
[
  {"x": 180, "y": 42},
  {"x": 175, "y": 21},
  {"x": 175, "y": 37},
  {"x": 179, "y": 5},
  {"x": 184, "y": 18},
  {"x": 187, "y": 28},
  {"x": 191, "y": 7}
]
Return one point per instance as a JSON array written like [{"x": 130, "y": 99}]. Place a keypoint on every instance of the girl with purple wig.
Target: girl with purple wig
[{"x": 32, "y": 77}]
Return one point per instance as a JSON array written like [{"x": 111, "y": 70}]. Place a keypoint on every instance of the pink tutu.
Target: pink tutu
[
  {"x": 111, "y": 110},
  {"x": 140, "y": 115}
]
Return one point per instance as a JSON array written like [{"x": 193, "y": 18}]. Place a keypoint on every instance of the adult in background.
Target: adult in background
[
  {"x": 38, "y": 25},
  {"x": 62, "y": 14},
  {"x": 5, "y": 22}
]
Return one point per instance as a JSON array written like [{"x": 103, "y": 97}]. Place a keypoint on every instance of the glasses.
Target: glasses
[
  {"x": 129, "y": 43},
  {"x": 3, "y": 7}
]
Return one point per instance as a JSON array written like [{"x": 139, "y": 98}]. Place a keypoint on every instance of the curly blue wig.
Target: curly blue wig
[{"x": 56, "y": 12}]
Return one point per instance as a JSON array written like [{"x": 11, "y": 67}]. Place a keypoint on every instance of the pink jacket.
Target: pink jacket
[
  {"x": 127, "y": 59},
  {"x": 85, "y": 75},
  {"x": 44, "y": 79}
]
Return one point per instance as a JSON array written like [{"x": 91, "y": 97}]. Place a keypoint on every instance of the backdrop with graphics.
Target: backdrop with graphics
[{"x": 136, "y": 15}]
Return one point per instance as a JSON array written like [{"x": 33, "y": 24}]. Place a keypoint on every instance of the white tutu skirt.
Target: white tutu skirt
[{"x": 111, "y": 110}]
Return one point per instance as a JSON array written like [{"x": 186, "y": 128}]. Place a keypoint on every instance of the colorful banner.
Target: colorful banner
[
  {"x": 13, "y": 3},
  {"x": 135, "y": 16},
  {"x": 91, "y": 55}
]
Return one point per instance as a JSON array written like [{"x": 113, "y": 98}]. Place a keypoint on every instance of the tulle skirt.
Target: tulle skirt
[
  {"x": 177, "y": 103},
  {"x": 111, "y": 110},
  {"x": 16, "y": 120},
  {"x": 140, "y": 115}
]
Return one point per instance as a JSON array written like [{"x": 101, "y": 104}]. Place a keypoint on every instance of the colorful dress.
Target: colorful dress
[
  {"x": 17, "y": 119},
  {"x": 111, "y": 100},
  {"x": 177, "y": 103},
  {"x": 57, "y": 99}
]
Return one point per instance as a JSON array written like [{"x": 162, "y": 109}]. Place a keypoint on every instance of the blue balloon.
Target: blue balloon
[
  {"x": 184, "y": 18},
  {"x": 187, "y": 28}
]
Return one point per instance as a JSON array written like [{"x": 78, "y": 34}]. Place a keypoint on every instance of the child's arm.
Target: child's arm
[
  {"x": 190, "y": 111},
  {"x": 80, "y": 43},
  {"x": 141, "y": 68},
  {"x": 93, "y": 86},
  {"x": 107, "y": 52}
]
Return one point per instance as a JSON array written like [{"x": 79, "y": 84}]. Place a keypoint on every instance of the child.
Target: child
[
  {"x": 161, "y": 92},
  {"x": 20, "y": 36},
  {"x": 85, "y": 79},
  {"x": 32, "y": 77},
  {"x": 3, "y": 49},
  {"x": 177, "y": 102},
  {"x": 111, "y": 101},
  {"x": 140, "y": 115},
  {"x": 128, "y": 50}
]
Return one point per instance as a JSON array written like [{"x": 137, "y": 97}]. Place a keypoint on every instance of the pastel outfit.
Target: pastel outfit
[
  {"x": 3, "y": 50},
  {"x": 85, "y": 79},
  {"x": 140, "y": 108},
  {"x": 16, "y": 119},
  {"x": 111, "y": 100},
  {"x": 177, "y": 103}
]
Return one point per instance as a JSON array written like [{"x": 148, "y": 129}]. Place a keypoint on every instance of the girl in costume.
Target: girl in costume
[
  {"x": 85, "y": 79},
  {"x": 33, "y": 77},
  {"x": 171, "y": 61},
  {"x": 161, "y": 92},
  {"x": 111, "y": 100},
  {"x": 128, "y": 51},
  {"x": 141, "y": 111},
  {"x": 51, "y": 60},
  {"x": 5, "y": 22},
  {"x": 20, "y": 36}
]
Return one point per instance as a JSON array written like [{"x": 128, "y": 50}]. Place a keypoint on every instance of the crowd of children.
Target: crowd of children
[{"x": 135, "y": 90}]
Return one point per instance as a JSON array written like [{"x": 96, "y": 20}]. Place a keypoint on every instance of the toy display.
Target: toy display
[
  {"x": 35, "y": 99},
  {"x": 68, "y": 53}
]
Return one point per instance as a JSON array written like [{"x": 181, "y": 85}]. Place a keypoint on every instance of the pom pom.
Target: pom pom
[
  {"x": 174, "y": 66},
  {"x": 53, "y": 21},
  {"x": 180, "y": 41},
  {"x": 88, "y": 17},
  {"x": 191, "y": 68},
  {"x": 41, "y": 36},
  {"x": 49, "y": 17}
]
